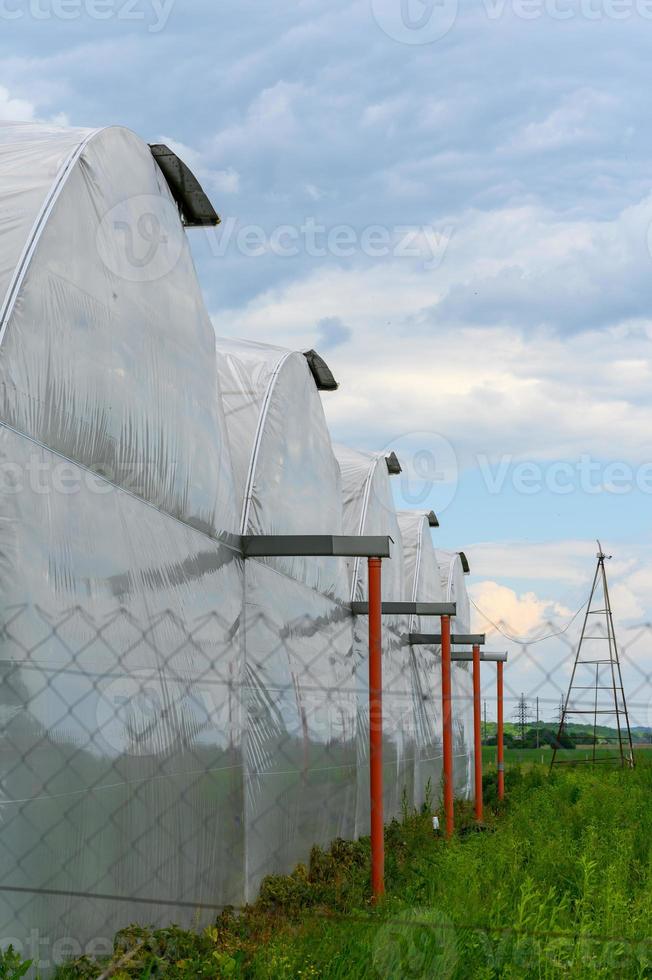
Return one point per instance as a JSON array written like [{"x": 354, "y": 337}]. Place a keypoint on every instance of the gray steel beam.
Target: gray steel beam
[
  {"x": 465, "y": 655},
  {"x": 407, "y": 608},
  {"x": 315, "y": 545},
  {"x": 428, "y": 639}
]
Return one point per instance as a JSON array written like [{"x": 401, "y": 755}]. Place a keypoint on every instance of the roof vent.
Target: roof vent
[
  {"x": 393, "y": 465},
  {"x": 432, "y": 519},
  {"x": 466, "y": 568},
  {"x": 196, "y": 210},
  {"x": 320, "y": 371}
]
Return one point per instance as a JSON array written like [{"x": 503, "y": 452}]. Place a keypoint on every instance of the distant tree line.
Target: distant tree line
[{"x": 547, "y": 736}]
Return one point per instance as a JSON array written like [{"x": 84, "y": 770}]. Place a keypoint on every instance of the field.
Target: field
[
  {"x": 543, "y": 755},
  {"x": 558, "y": 885}
]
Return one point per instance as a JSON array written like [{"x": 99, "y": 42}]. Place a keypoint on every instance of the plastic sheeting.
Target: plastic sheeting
[
  {"x": 121, "y": 649},
  {"x": 119, "y": 696},
  {"x": 423, "y": 583},
  {"x": 176, "y": 723},
  {"x": 287, "y": 478},
  {"x": 108, "y": 355},
  {"x": 34, "y": 160},
  {"x": 299, "y": 702},
  {"x": 454, "y": 588},
  {"x": 369, "y": 509}
]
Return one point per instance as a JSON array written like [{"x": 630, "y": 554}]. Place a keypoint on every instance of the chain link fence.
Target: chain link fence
[
  {"x": 153, "y": 772},
  {"x": 539, "y": 673}
]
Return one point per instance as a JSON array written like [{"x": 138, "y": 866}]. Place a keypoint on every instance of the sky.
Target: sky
[{"x": 453, "y": 204}]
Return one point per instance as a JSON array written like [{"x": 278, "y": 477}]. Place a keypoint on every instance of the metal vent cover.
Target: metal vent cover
[
  {"x": 192, "y": 201},
  {"x": 320, "y": 371}
]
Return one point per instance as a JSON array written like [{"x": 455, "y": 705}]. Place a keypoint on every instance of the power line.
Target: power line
[{"x": 518, "y": 639}]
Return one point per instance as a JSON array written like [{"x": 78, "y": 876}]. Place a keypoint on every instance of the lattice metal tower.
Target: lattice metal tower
[
  {"x": 596, "y": 684},
  {"x": 522, "y": 715}
]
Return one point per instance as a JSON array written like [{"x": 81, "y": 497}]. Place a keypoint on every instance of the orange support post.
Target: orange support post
[
  {"x": 499, "y": 732},
  {"x": 376, "y": 730},
  {"x": 477, "y": 735},
  {"x": 446, "y": 693}
]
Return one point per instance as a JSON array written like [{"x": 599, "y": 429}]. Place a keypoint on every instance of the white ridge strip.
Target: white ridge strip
[
  {"x": 246, "y": 503},
  {"x": 37, "y": 230},
  {"x": 363, "y": 521},
  {"x": 451, "y": 574},
  {"x": 417, "y": 570}
]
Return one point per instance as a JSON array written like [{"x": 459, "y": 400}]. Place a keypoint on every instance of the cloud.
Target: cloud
[
  {"x": 332, "y": 332},
  {"x": 519, "y": 615},
  {"x": 491, "y": 390},
  {"x": 226, "y": 181},
  {"x": 564, "y": 568},
  {"x": 529, "y": 336},
  {"x": 577, "y": 119},
  {"x": 14, "y": 110},
  {"x": 540, "y": 663},
  {"x": 568, "y": 564},
  {"x": 221, "y": 181}
]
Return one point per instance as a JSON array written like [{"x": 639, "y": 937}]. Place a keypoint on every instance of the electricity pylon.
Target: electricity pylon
[
  {"x": 585, "y": 698},
  {"x": 522, "y": 715}
]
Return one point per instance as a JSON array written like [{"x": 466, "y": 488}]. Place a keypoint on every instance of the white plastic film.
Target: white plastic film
[
  {"x": 108, "y": 355},
  {"x": 176, "y": 722},
  {"x": 369, "y": 509},
  {"x": 121, "y": 793},
  {"x": 34, "y": 161},
  {"x": 454, "y": 585},
  {"x": 300, "y": 701},
  {"x": 287, "y": 478},
  {"x": 121, "y": 651},
  {"x": 423, "y": 584}
]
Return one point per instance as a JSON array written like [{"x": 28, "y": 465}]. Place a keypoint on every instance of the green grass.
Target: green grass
[
  {"x": 560, "y": 885},
  {"x": 543, "y": 755}
]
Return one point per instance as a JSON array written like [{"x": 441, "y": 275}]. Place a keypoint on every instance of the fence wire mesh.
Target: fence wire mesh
[{"x": 152, "y": 772}]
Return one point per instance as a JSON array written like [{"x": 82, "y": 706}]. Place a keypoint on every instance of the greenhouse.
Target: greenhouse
[
  {"x": 177, "y": 722},
  {"x": 453, "y": 567}
]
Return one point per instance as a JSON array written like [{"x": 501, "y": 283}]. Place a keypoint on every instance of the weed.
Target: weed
[{"x": 562, "y": 887}]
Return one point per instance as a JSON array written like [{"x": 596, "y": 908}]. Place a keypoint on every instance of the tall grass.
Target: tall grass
[{"x": 560, "y": 885}]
